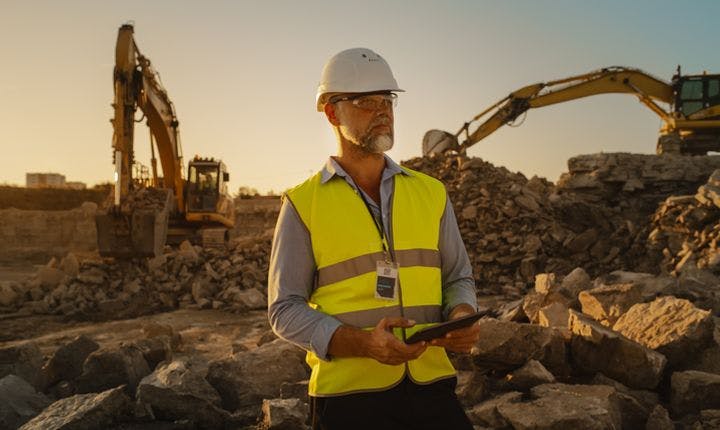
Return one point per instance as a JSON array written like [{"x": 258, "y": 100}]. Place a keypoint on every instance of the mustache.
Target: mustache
[{"x": 381, "y": 120}]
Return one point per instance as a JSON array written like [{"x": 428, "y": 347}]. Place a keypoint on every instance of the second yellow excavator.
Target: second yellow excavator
[
  {"x": 691, "y": 125},
  {"x": 148, "y": 212}
]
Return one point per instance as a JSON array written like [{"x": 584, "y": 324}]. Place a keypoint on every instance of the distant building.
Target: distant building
[
  {"x": 44, "y": 180},
  {"x": 74, "y": 185}
]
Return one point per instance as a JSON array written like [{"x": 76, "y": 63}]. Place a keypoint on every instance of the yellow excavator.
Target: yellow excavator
[
  {"x": 691, "y": 125},
  {"x": 148, "y": 212}
]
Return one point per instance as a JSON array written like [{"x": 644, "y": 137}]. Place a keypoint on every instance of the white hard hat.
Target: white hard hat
[{"x": 356, "y": 70}]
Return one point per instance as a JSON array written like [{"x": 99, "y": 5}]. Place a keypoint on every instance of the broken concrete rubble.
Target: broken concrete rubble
[
  {"x": 251, "y": 376},
  {"x": 556, "y": 406},
  {"x": 607, "y": 303},
  {"x": 596, "y": 348},
  {"x": 67, "y": 362},
  {"x": 109, "y": 368},
  {"x": 83, "y": 412},
  {"x": 233, "y": 279},
  {"x": 592, "y": 218},
  {"x": 671, "y": 326},
  {"x": 511, "y": 345},
  {"x": 593, "y": 225},
  {"x": 176, "y": 391}
]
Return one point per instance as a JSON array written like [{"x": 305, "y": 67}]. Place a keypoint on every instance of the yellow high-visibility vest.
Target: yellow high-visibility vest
[{"x": 347, "y": 245}]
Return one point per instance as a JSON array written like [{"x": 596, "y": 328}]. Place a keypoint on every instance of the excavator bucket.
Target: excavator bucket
[
  {"x": 138, "y": 228},
  {"x": 438, "y": 141}
]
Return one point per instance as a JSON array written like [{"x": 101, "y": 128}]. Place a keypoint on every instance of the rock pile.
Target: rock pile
[
  {"x": 596, "y": 217},
  {"x": 149, "y": 383},
  {"x": 233, "y": 279},
  {"x": 635, "y": 183},
  {"x": 686, "y": 229},
  {"x": 623, "y": 352},
  {"x": 619, "y": 351}
]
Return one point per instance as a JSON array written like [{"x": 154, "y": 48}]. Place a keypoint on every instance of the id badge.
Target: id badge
[{"x": 387, "y": 280}]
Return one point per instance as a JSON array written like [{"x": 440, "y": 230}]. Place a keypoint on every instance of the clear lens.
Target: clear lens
[{"x": 370, "y": 101}]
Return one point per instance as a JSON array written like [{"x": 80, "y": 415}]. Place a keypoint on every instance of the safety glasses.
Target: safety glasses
[{"x": 370, "y": 102}]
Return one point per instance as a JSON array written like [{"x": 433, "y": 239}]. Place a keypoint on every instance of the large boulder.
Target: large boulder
[
  {"x": 671, "y": 326},
  {"x": 693, "y": 391},
  {"x": 83, "y": 412},
  {"x": 561, "y": 406},
  {"x": 251, "y": 376},
  {"x": 175, "y": 391},
  {"x": 651, "y": 286},
  {"x": 24, "y": 360},
  {"x": 607, "y": 303},
  {"x": 19, "y": 402},
  {"x": 595, "y": 348},
  {"x": 504, "y": 344},
  {"x": 67, "y": 361},
  {"x": 109, "y": 368}
]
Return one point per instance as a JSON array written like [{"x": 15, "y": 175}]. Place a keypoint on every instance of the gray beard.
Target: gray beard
[{"x": 378, "y": 144}]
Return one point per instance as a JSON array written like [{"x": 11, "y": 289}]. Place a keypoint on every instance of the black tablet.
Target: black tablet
[{"x": 439, "y": 330}]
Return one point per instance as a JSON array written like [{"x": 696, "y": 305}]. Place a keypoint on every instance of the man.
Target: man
[{"x": 366, "y": 253}]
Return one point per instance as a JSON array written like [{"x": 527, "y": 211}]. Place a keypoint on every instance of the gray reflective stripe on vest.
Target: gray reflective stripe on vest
[
  {"x": 369, "y": 318},
  {"x": 367, "y": 263}
]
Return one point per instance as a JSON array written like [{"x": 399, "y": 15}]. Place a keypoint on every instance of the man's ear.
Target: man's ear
[{"x": 331, "y": 114}]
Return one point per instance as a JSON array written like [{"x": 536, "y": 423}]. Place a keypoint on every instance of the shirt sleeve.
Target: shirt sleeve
[
  {"x": 290, "y": 282},
  {"x": 458, "y": 285}
]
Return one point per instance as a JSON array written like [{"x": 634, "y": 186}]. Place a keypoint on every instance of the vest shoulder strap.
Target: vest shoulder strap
[{"x": 302, "y": 196}]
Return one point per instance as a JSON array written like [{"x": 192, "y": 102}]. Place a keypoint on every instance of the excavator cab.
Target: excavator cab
[
  {"x": 208, "y": 202},
  {"x": 695, "y": 93},
  {"x": 696, "y": 109},
  {"x": 206, "y": 184}
]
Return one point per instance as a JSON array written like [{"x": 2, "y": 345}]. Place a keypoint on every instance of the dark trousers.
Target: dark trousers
[{"x": 405, "y": 406}]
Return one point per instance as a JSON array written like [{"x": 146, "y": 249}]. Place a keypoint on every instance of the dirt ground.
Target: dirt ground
[
  {"x": 16, "y": 270},
  {"x": 206, "y": 334}
]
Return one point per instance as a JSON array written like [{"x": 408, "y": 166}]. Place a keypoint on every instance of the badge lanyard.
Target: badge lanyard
[
  {"x": 386, "y": 286},
  {"x": 379, "y": 226}
]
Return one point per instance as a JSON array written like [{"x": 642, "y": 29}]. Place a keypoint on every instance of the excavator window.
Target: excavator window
[
  {"x": 692, "y": 89},
  {"x": 691, "y": 96},
  {"x": 204, "y": 178},
  {"x": 713, "y": 88},
  {"x": 202, "y": 192}
]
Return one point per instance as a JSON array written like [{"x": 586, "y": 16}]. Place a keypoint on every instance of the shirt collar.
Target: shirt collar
[{"x": 333, "y": 168}]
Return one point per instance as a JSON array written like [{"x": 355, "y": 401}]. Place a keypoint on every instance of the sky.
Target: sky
[{"x": 242, "y": 76}]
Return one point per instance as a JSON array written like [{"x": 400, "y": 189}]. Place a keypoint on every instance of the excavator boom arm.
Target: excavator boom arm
[
  {"x": 137, "y": 85},
  {"x": 648, "y": 89}
]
